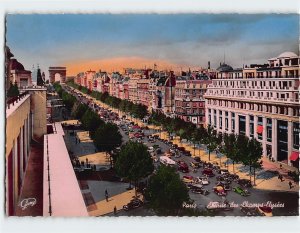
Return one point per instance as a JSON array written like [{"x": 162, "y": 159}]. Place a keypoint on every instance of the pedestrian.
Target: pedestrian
[
  {"x": 87, "y": 160},
  {"x": 291, "y": 184},
  {"x": 280, "y": 166},
  {"x": 106, "y": 195},
  {"x": 115, "y": 210},
  {"x": 281, "y": 178}
]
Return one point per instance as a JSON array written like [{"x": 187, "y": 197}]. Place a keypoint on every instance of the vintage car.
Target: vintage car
[
  {"x": 241, "y": 191},
  {"x": 199, "y": 190},
  {"x": 223, "y": 171},
  {"x": 133, "y": 204},
  {"x": 188, "y": 179},
  {"x": 224, "y": 184},
  {"x": 208, "y": 172},
  {"x": 244, "y": 183},
  {"x": 202, "y": 180},
  {"x": 220, "y": 191},
  {"x": 195, "y": 165},
  {"x": 183, "y": 167},
  {"x": 197, "y": 159}
]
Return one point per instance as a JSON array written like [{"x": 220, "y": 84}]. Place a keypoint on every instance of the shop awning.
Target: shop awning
[
  {"x": 294, "y": 156},
  {"x": 260, "y": 129}
]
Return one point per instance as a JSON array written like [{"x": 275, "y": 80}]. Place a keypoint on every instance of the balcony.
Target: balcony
[{"x": 15, "y": 102}]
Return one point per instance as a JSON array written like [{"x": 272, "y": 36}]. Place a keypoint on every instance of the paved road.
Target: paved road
[{"x": 289, "y": 200}]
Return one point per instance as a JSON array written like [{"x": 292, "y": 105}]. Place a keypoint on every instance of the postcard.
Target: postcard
[{"x": 188, "y": 114}]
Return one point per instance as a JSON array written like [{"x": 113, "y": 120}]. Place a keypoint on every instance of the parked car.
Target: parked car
[
  {"x": 225, "y": 185},
  {"x": 197, "y": 159},
  {"x": 208, "y": 172},
  {"x": 223, "y": 171},
  {"x": 233, "y": 177},
  {"x": 224, "y": 178},
  {"x": 187, "y": 153},
  {"x": 244, "y": 183},
  {"x": 133, "y": 204},
  {"x": 188, "y": 179},
  {"x": 202, "y": 180},
  {"x": 151, "y": 149},
  {"x": 241, "y": 191},
  {"x": 195, "y": 165},
  {"x": 174, "y": 146},
  {"x": 181, "y": 148},
  {"x": 172, "y": 150},
  {"x": 177, "y": 155},
  {"x": 183, "y": 167},
  {"x": 198, "y": 189},
  {"x": 220, "y": 191},
  {"x": 190, "y": 186}
]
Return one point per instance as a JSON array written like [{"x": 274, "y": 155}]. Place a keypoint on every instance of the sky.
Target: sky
[{"x": 112, "y": 42}]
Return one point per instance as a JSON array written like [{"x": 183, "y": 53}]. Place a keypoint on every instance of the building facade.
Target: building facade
[
  {"x": 189, "y": 100},
  {"x": 260, "y": 101}
]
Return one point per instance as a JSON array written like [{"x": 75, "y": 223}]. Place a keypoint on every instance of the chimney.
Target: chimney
[{"x": 209, "y": 65}]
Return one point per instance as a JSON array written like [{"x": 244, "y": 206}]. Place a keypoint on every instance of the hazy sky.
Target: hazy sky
[{"x": 115, "y": 41}]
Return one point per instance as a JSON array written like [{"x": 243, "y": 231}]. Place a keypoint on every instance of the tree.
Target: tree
[
  {"x": 210, "y": 140},
  {"x": 134, "y": 162},
  {"x": 166, "y": 192},
  {"x": 13, "y": 90},
  {"x": 107, "y": 137},
  {"x": 78, "y": 110},
  {"x": 235, "y": 147},
  {"x": 219, "y": 142},
  {"x": 181, "y": 134},
  {"x": 91, "y": 121},
  {"x": 252, "y": 155}
]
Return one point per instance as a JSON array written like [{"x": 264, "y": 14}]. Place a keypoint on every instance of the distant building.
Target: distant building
[
  {"x": 189, "y": 98},
  {"x": 19, "y": 75},
  {"x": 260, "y": 101}
]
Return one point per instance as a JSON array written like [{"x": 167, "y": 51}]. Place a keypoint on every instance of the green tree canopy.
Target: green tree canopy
[
  {"x": 166, "y": 192},
  {"x": 78, "y": 110},
  {"x": 107, "y": 137},
  {"x": 134, "y": 162},
  {"x": 13, "y": 90},
  {"x": 91, "y": 121},
  {"x": 210, "y": 140}
]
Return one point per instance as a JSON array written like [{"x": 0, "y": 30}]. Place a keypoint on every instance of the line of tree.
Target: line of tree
[
  {"x": 135, "y": 110},
  {"x": 238, "y": 148},
  {"x": 106, "y": 136}
]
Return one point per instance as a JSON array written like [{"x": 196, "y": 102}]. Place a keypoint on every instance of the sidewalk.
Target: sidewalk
[
  {"x": 103, "y": 207},
  {"x": 99, "y": 158}
]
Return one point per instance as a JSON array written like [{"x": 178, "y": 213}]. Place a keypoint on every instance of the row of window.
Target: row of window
[
  {"x": 294, "y": 111},
  {"x": 252, "y": 84},
  {"x": 259, "y": 130}
]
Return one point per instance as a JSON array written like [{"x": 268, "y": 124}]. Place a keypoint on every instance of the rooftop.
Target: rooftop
[{"x": 65, "y": 195}]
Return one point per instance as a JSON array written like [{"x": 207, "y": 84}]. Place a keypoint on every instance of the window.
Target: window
[
  {"x": 259, "y": 123},
  {"x": 296, "y": 132},
  {"x": 269, "y": 130},
  {"x": 251, "y": 126}
]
